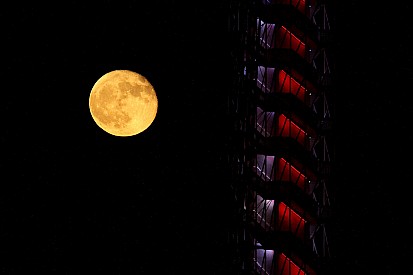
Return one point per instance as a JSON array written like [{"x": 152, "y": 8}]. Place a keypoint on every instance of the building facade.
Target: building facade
[{"x": 282, "y": 155}]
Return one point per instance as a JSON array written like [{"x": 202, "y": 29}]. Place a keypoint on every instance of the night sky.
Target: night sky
[
  {"x": 75, "y": 199},
  {"x": 374, "y": 141}
]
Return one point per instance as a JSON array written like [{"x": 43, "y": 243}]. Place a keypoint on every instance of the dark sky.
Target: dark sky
[
  {"x": 74, "y": 198},
  {"x": 77, "y": 199},
  {"x": 374, "y": 141}
]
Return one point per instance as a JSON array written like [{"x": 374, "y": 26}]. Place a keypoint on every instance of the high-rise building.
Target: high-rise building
[{"x": 282, "y": 155}]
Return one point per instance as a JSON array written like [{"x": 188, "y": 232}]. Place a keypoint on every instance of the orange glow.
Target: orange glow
[
  {"x": 287, "y": 84},
  {"x": 288, "y": 267},
  {"x": 290, "y": 41},
  {"x": 289, "y": 220},
  {"x": 287, "y": 128},
  {"x": 287, "y": 172}
]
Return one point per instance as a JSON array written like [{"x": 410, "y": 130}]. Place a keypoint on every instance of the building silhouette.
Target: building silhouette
[{"x": 281, "y": 108}]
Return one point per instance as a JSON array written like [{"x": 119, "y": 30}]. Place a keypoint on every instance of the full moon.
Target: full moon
[{"x": 123, "y": 103}]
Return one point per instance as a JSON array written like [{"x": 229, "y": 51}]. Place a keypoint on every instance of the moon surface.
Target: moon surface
[{"x": 123, "y": 103}]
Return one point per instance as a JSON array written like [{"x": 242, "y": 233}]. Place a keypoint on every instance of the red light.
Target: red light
[
  {"x": 287, "y": 128},
  {"x": 287, "y": 172},
  {"x": 290, "y": 41},
  {"x": 287, "y": 84},
  {"x": 289, "y": 220},
  {"x": 288, "y": 267}
]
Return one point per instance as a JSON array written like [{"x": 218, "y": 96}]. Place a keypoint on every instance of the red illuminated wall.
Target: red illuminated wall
[
  {"x": 296, "y": 76},
  {"x": 285, "y": 39},
  {"x": 288, "y": 220},
  {"x": 287, "y": 84},
  {"x": 286, "y": 267},
  {"x": 287, "y": 128},
  {"x": 286, "y": 172}
]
